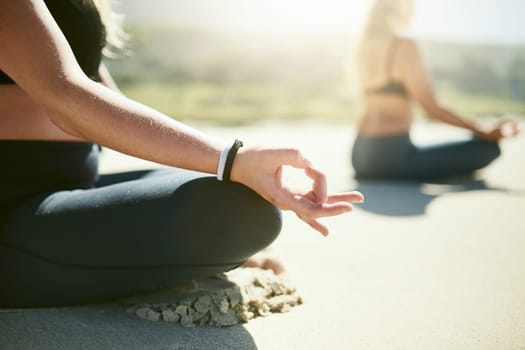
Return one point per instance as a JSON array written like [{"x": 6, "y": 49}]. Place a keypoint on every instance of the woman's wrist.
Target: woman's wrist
[
  {"x": 226, "y": 160},
  {"x": 476, "y": 129},
  {"x": 478, "y": 133},
  {"x": 238, "y": 165}
]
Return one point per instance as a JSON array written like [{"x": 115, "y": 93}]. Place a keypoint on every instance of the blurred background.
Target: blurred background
[{"x": 235, "y": 62}]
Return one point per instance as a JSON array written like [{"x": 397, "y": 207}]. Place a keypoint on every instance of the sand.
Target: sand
[{"x": 417, "y": 266}]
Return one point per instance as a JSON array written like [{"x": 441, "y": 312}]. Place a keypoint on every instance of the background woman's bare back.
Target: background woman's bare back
[{"x": 384, "y": 114}]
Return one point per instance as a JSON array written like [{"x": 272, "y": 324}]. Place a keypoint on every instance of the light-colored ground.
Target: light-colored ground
[{"x": 415, "y": 267}]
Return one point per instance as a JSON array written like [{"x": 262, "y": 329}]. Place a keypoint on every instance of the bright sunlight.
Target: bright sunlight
[{"x": 293, "y": 15}]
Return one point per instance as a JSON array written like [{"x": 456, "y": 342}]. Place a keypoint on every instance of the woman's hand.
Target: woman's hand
[
  {"x": 262, "y": 170},
  {"x": 502, "y": 129}
]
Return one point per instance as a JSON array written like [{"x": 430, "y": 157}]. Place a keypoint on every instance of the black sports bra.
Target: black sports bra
[
  {"x": 392, "y": 87},
  {"x": 82, "y": 26}
]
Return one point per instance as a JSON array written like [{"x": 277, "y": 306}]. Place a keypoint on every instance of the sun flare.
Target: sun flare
[{"x": 296, "y": 15}]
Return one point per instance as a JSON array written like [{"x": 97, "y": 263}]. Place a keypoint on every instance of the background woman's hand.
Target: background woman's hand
[
  {"x": 262, "y": 170},
  {"x": 503, "y": 129}
]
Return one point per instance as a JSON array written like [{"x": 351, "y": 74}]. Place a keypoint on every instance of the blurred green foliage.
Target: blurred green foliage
[{"x": 195, "y": 74}]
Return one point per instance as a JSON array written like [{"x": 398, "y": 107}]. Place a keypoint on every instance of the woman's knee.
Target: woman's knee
[
  {"x": 487, "y": 151},
  {"x": 253, "y": 221},
  {"x": 265, "y": 225},
  {"x": 229, "y": 218},
  {"x": 494, "y": 150}
]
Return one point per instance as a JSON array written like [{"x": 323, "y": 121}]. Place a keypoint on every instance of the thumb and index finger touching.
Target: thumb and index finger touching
[{"x": 318, "y": 198}]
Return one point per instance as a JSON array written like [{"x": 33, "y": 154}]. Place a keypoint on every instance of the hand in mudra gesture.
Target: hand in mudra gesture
[
  {"x": 262, "y": 170},
  {"x": 505, "y": 128}
]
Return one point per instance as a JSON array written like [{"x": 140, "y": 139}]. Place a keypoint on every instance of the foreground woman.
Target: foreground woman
[{"x": 69, "y": 235}]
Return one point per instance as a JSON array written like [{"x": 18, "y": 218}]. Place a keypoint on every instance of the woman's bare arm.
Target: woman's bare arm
[
  {"x": 37, "y": 56},
  {"x": 106, "y": 79},
  {"x": 410, "y": 69}
]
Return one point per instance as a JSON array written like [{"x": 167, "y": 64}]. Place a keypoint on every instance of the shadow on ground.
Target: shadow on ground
[
  {"x": 411, "y": 198},
  {"x": 109, "y": 327}
]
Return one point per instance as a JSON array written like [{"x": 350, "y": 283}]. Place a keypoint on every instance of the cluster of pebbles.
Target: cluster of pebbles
[{"x": 235, "y": 297}]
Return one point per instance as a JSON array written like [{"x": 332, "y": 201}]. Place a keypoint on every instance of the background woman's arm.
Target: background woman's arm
[{"x": 411, "y": 71}]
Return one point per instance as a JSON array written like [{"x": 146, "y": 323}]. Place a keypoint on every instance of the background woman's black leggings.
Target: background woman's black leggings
[
  {"x": 396, "y": 157},
  {"x": 122, "y": 234}
]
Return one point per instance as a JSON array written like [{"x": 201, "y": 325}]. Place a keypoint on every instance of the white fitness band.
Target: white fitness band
[{"x": 222, "y": 163}]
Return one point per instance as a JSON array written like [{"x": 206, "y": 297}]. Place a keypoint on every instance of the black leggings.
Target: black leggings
[
  {"x": 397, "y": 157},
  {"x": 128, "y": 233}
]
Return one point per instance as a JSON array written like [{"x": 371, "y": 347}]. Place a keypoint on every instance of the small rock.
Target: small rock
[
  {"x": 148, "y": 314},
  {"x": 254, "y": 292},
  {"x": 223, "y": 319},
  {"x": 186, "y": 321},
  {"x": 277, "y": 288},
  {"x": 170, "y": 315},
  {"x": 182, "y": 310},
  {"x": 203, "y": 304},
  {"x": 224, "y": 306},
  {"x": 235, "y": 296}
]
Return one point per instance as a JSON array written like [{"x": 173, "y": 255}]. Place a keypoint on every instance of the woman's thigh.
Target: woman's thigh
[
  {"x": 382, "y": 157},
  {"x": 124, "y": 237},
  {"x": 159, "y": 219},
  {"x": 452, "y": 158},
  {"x": 397, "y": 157}
]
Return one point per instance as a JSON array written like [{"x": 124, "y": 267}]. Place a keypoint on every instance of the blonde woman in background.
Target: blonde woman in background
[
  {"x": 393, "y": 79},
  {"x": 69, "y": 235}
]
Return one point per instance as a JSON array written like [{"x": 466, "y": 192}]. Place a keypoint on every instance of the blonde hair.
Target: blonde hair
[
  {"x": 116, "y": 37},
  {"x": 386, "y": 19}
]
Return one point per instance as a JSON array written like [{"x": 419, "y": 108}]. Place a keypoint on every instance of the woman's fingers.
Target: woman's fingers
[
  {"x": 509, "y": 128},
  {"x": 290, "y": 156},
  {"x": 309, "y": 211},
  {"x": 349, "y": 197},
  {"x": 266, "y": 174},
  {"x": 295, "y": 158},
  {"x": 319, "y": 187},
  {"x": 305, "y": 207},
  {"x": 316, "y": 225}
]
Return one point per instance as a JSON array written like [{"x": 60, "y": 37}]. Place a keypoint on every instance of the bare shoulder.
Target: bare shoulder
[
  {"x": 407, "y": 58},
  {"x": 407, "y": 48}
]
